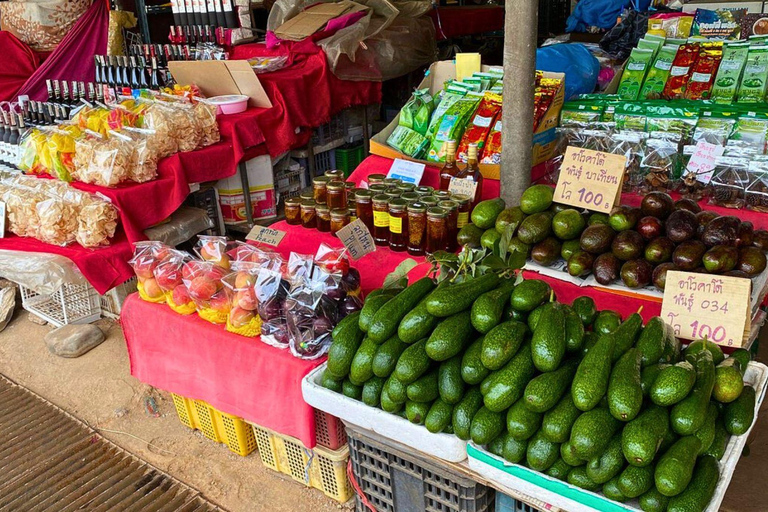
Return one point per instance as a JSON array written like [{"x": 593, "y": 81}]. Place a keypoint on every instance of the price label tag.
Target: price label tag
[
  {"x": 464, "y": 186},
  {"x": 2, "y": 219},
  {"x": 266, "y": 235},
  {"x": 704, "y": 160},
  {"x": 407, "y": 172},
  {"x": 590, "y": 179},
  {"x": 707, "y": 306},
  {"x": 357, "y": 239}
]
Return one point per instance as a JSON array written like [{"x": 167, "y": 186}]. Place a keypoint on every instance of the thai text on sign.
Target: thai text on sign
[
  {"x": 266, "y": 235},
  {"x": 357, "y": 239},
  {"x": 590, "y": 179},
  {"x": 707, "y": 306}
]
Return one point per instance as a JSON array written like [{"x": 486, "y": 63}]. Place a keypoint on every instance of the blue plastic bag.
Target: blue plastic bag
[
  {"x": 579, "y": 65},
  {"x": 600, "y": 13}
]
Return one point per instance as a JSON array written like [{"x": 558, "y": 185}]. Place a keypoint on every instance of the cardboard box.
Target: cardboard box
[
  {"x": 221, "y": 77},
  {"x": 544, "y": 139},
  {"x": 263, "y": 201},
  {"x": 315, "y": 18}
]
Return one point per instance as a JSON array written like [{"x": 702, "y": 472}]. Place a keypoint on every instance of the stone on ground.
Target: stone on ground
[
  {"x": 73, "y": 340},
  {"x": 36, "y": 319},
  {"x": 7, "y": 305}
]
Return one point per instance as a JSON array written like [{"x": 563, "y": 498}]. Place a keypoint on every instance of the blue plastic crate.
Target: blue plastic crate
[{"x": 506, "y": 503}]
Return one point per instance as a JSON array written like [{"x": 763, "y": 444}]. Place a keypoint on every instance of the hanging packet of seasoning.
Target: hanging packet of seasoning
[
  {"x": 718, "y": 23},
  {"x": 703, "y": 72},
  {"x": 491, "y": 153},
  {"x": 680, "y": 71},
  {"x": 729, "y": 72},
  {"x": 479, "y": 125},
  {"x": 657, "y": 75},
  {"x": 634, "y": 73},
  {"x": 753, "y": 82},
  {"x": 452, "y": 126}
]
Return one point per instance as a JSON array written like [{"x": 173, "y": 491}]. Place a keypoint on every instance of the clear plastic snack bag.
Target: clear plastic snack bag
[
  {"x": 96, "y": 223},
  {"x": 214, "y": 249},
  {"x": 243, "y": 316},
  {"x": 271, "y": 292},
  {"x": 169, "y": 276},
  {"x": 730, "y": 179},
  {"x": 631, "y": 146},
  {"x": 146, "y": 257},
  {"x": 203, "y": 280},
  {"x": 205, "y": 114},
  {"x": 336, "y": 261},
  {"x": 103, "y": 161},
  {"x": 311, "y": 312},
  {"x": 660, "y": 162},
  {"x": 756, "y": 194},
  {"x": 145, "y": 155}
]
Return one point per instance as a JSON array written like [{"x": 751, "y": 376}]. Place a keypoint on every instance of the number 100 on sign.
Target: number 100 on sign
[{"x": 590, "y": 179}]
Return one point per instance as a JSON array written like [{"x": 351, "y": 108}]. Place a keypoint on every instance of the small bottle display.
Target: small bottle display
[
  {"x": 451, "y": 219},
  {"x": 336, "y": 194},
  {"x": 398, "y": 224},
  {"x": 417, "y": 228},
  {"x": 293, "y": 211},
  {"x": 308, "y": 214},
  {"x": 364, "y": 207},
  {"x": 472, "y": 170},
  {"x": 323, "y": 213},
  {"x": 319, "y": 188},
  {"x": 437, "y": 230},
  {"x": 381, "y": 219},
  {"x": 339, "y": 219},
  {"x": 464, "y": 204},
  {"x": 450, "y": 169}
]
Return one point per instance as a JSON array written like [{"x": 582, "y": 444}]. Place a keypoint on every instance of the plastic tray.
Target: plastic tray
[
  {"x": 443, "y": 446},
  {"x": 70, "y": 304},
  {"x": 569, "y": 497}
]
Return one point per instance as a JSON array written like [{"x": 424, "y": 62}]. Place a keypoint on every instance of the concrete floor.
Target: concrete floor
[{"x": 98, "y": 389}]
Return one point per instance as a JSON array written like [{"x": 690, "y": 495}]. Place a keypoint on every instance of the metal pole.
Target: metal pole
[
  {"x": 245, "y": 182},
  {"x": 520, "y": 27}
]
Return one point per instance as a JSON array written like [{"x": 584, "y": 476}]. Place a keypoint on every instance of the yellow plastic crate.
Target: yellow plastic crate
[
  {"x": 320, "y": 468},
  {"x": 215, "y": 425}
]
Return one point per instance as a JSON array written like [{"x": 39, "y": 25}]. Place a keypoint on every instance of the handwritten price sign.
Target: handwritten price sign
[
  {"x": 707, "y": 306},
  {"x": 463, "y": 186},
  {"x": 357, "y": 239},
  {"x": 266, "y": 235},
  {"x": 590, "y": 179}
]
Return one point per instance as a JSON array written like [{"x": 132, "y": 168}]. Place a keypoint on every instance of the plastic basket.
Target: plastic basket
[
  {"x": 329, "y": 430},
  {"x": 505, "y": 503},
  {"x": 215, "y": 425},
  {"x": 393, "y": 480},
  {"x": 112, "y": 301},
  {"x": 325, "y": 161},
  {"x": 329, "y": 132},
  {"x": 70, "y": 304},
  {"x": 320, "y": 468},
  {"x": 347, "y": 159}
]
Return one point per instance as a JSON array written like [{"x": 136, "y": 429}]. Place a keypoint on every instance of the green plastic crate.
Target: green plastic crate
[{"x": 347, "y": 159}]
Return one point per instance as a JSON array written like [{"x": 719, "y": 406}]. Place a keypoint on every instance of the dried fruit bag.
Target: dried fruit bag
[
  {"x": 480, "y": 125},
  {"x": 169, "y": 276},
  {"x": 146, "y": 257},
  {"x": 634, "y": 73},
  {"x": 203, "y": 280},
  {"x": 243, "y": 317}
]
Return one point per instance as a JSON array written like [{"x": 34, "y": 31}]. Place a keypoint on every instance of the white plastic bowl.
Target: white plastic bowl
[{"x": 230, "y": 104}]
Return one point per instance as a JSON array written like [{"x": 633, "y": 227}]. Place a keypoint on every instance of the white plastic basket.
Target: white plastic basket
[
  {"x": 112, "y": 301},
  {"x": 70, "y": 304}
]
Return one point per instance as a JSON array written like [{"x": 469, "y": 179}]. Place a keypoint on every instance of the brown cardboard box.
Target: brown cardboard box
[
  {"x": 544, "y": 139},
  {"x": 313, "y": 19},
  {"x": 221, "y": 77}
]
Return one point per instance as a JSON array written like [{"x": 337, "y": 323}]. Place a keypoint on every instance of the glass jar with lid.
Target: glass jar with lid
[
  {"x": 464, "y": 205},
  {"x": 393, "y": 193},
  {"x": 307, "y": 193},
  {"x": 293, "y": 211},
  {"x": 334, "y": 175},
  {"x": 352, "y": 209},
  {"x": 417, "y": 228},
  {"x": 442, "y": 195},
  {"x": 374, "y": 179},
  {"x": 429, "y": 201},
  {"x": 323, "y": 214},
  {"x": 437, "y": 230},
  {"x": 406, "y": 187},
  {"x": 391, "y": 181},
  {"x": 378, "y": 188},
  {"x": 398, "y": 224},
  {"x": 308, "y": 215},
  {"x": 339, "y": 219},
  {"x": 319, "y": 188},
  {"x": 410, "y": 197},
  {"x": 380, "y": 219},
  {"x": 337, "y": 195},
  {"x": 364, "y": 207},
  {"x": 451, "y": 219},
  {"x": 424, "y": 190}
]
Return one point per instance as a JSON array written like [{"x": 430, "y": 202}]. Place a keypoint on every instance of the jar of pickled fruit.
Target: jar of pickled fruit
[
  {"x": 429, "y": 201},
  {"x": 410, "y": 197},
  {"x": 308, "y": 215},
  {"x": 381, "y": 219},
  {"x": 364, "y": 207},
  {"x": 442, "y": 195},
  {"x": 337, "y": 195},
  {"x": 293, "y": 211},
  {"x": 398, "y": 224},
  {"x": 417, "y": 228},
  {"x": 451, "y": 219},
  {"x": 374, "y": 179},
  {"x": 378, "y": 188},
  {"x": 424, "y": 190},
  {"x": 465, "y": 203},
  {"x": 437, "y": 230},
  {"x": 339, "y": 219},
  {"x": 406, "y": 187},
  {"x": 334, "y": 175},
  {"x": 323, "y": 214},
  {"x": 319, "y": 188}
]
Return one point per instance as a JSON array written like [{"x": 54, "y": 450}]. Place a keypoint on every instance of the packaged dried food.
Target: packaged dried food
[
  {"x": 580, "y": 114},
  {"x": 311, "y": 312},
  {"x": 730, "y": 179},
  {"x": 452, "y": 125},
  {"x": 729, "y": 72},
  {"x": 144, "y": 157},
  {"x": 61, "y": 148},
  {"x": 205, "y": 114},
  {"x": 203, "y": 280},
  {"x": 657, "y": 75},
  {"x": 753, "y": 82},
  {"x": 96, "y": 223},
  {"x": 703, "y": 72},
  {"x": 408, "y": 142},
  {"x": 718, "y": 23},
  {"x": 417, "y": 111},
  {"x": 680, "y": 72},
  {"x": 634, "y": 73},
  {"x": 631, "y": 146},
  {"x": 103, "y": 161},
  {"x": 660, "y": 162},
  {"x": 480, "y": 124},
  {"x": 492, "y": 151},
  {"x": 756, "y": 194}
]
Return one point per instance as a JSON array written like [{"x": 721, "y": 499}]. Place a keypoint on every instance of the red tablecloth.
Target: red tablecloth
[
  {"x": 466, "y": 20},
  {"x": 196, "y": 359}
]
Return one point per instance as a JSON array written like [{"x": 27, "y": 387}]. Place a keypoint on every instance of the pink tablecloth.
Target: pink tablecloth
[{"x": 196, "y": 359}]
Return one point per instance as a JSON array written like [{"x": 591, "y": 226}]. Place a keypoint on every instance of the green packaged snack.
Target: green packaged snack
[
  {"x": 657, "y": 76},
  {"x": 634, "y": 73},
  {"x": 676, "y": 42},
  {"x": 751, "y": 128},
  {"x": 446, "y": 101},
  {"x": 729, "y": 72},
  {"x": 630, "y": 116},
  {"x": 452, "y": 125},
  {"x": 753, "y": 83},
  {"x": 408, "y": 142},
  {"x": 415, "y": 114},
  {"x": 650, "y": 43},
  {"x": 580, "y": 113},
  {"x": 672, "y": 118},
  {"x": 758, "y": 40}
]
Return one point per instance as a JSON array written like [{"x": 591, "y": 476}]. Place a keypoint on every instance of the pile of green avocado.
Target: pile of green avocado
[
  {"x": 566, "y": 390},
  {"x": 637, "y": 245}
]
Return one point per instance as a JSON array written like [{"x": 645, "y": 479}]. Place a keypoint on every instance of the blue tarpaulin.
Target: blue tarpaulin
[
  {"x": 600, "y": 13},
  {"x": 576, "y": 61}
]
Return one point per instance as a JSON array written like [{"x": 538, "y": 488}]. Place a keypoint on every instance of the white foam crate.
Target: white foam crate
[
  {"x": 112, "y": 301},
  {"x": 569, "y": 497},
  {"x": 70, "y": 304},
  {"x": 443, "y": 446}
]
